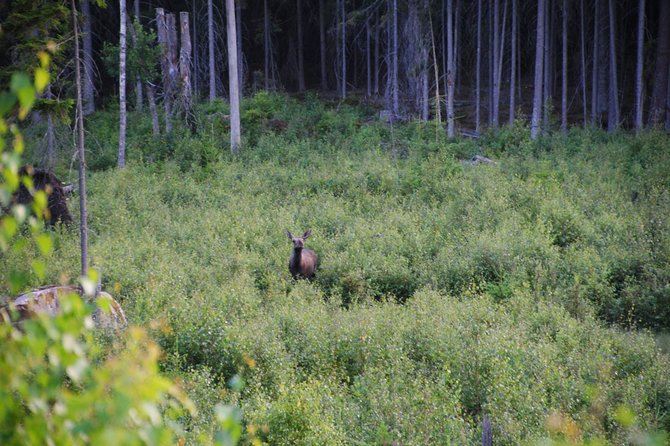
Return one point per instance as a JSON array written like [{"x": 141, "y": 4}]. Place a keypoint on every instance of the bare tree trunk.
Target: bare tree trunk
[
  {"x": 89, "y": 99},
  {"x": 377, "y": 68},
  {"x": 659, "y": 90},
  {"x": 185, "y": 72},
  {"x": 639, "y": 66},
  {"x": 539, "y": 55},
  {"x": 547, "y": 69},
  {"x": 603, "y": 62},
  {"x": 494, "y": 67},
  {"x": 564, "y": 69},
  {"x": 613, "y": 114},
  {"x": 478, "y": 66},
  {"x": 266, "y": 43},
  {"x": 301, "y": 61},
  {"x": 450, "y": 70},
  {"x": 512, "y": 74},
  {"x": 457, "y": 52},
  {"x": 438, "y": 115},
  {"x": 173, "y": 69},
  {"x": 212, "y": 66},
  {"x": 83, "y": 208},
  {"x": 595, "y": 74},
  {"x": 498, "y": 69},
  {"x": 240, "y": 59},
  {"x": 344, "y": 50},
  {"x": 139, "y": 99},
  {"x": 196, "y": 89},
  {"x": 396, "y": 87},
  {"x": 322, "y": 46},
  {"x": 491, "y": 62},
  {"x": 368, "y": 61},
  {"x": 583, "y": 58},
  {"x": 235, "y": 133},
  {"x": 122, "y": 86},
  {"x": 151, "y": 97},
  {"x": 161, "y": 25}
]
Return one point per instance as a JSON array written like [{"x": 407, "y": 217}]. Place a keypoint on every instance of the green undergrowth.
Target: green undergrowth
[{"x": 520, "y": 289}]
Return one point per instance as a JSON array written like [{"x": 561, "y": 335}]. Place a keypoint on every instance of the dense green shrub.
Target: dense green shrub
[{"x": 446, "y": 292}]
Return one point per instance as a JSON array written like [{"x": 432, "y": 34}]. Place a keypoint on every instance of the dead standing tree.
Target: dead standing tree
[
  {"x": 167, "y": 39},
  {"x": 186, "y": 95}
]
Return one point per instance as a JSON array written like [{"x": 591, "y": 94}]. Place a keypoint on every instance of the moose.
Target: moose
[{"x": 303, "y": 261}]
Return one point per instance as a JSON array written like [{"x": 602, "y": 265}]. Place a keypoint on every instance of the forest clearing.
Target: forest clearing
[{"x": 317, "y": 266}]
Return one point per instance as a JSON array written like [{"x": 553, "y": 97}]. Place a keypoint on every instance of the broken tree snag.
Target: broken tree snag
[
  {"x": 161, "y": 26},
  {"x": 57, "y": 211},
  {"x": 184, "y": 72},
  {"x": 46, "y": 300}
]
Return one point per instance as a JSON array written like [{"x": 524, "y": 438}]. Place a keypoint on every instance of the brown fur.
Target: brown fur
[
  {"x": 303, "y": 262},
  {"x": 57, "y": 210}
]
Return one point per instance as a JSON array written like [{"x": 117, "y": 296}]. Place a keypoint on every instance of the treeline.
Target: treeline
[{"x": 484, "y": 62}]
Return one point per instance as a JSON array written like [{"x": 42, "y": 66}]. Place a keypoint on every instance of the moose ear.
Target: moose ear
[
  {"x": 307, "y": 233},
  {"x": 290, "y": 236}
]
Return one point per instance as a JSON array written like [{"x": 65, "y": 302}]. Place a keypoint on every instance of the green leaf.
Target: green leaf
[
  {"x": 44, "y": 243},
  {"x": 19, "y": 82},
  {"x": 7, "y": 101},
  {"x": 9, "y": 226},
  {"x": 40, "y": 268},
  {"x": 41, "y": 79}
]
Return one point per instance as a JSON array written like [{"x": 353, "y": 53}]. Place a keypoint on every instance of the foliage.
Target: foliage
[
  {"x": 60, "y": 384},
  {"x": 142, "y": 56},
  {"x": 54, "y": 389},
  {"x": 523, "y": 283}
]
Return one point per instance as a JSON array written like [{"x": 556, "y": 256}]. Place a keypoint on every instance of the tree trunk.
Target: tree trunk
[
  {"x": 450, "y": 70},
  {"x": 457, "y": 52},
  {"x": 83, "y": 209},
  {"x": 139, "y": 99},
  {"x": 210, "y": 35},
  {"x": 603, "y": 61},
  {"x": 173, "y": 69},
  {"x": 583, "y": 58},
  {"x": 659, "y": 91},
  {"x": 301, "y": 62},
  {"x": 122, "y": 85},
  {"x": 512, "y": 74},
  {"x": 396, "y": 87},
  {"x": 438, "y": 115},
  {"x": 594, "y": 60},
  {"x": 613, "y": 112},
  {"x": 240, "y": 59},
  {"x": 235, "y": 134},
  {"x": 151, "y": 98},
  {"x": 498, "y": 71},
  {"x": 539, "y": 55},
  {"x": 377, "y": 67},
  {"x": 478, "y": 66},
  {"x": 196, "y": 89},
  {"x": 547, "y": 69},
  {"x": 344, "y": 50},
  {"x": 89, "y": 98},
  {"x": 564, "y": 68},
  {"x": 266, "y": 43},
  {"x": 639, "y": 66},
  {"x": 161, "y": 25},
  {"x": 494, "y": 67},
  {"x": 322, "y": 46},
  {"x": 491, "y": 62},
  {"x": 185, "y": 72},
  {"x": 368, "y": 61}
]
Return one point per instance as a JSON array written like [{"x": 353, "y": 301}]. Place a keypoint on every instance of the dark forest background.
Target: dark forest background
[{"x": 350, "y": 47}]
